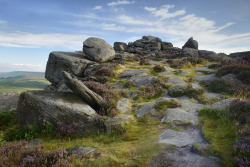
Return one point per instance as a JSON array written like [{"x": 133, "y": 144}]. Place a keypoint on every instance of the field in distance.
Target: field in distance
[{"x": 19, "y": 81}]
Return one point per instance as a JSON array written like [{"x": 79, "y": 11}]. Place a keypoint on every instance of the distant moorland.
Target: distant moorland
[{"x": 19, "y": 81}]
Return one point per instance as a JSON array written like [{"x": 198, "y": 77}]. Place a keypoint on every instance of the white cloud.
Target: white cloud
[
  {"x": 97, "y": 8},
  {"x": 6, "y": 67},
  {"x": 163, "y": 12},
  {"x": 124, "y": 19},
  {"x": 123, "y": 2},
  {"x": 29, "y": 40},
  {"x": 131, "y": 39}
]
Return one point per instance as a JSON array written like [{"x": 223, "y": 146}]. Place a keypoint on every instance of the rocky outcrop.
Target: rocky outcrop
[
  {"x": 120, "y": 46},
  {"x": 97, "y": 49},
  {"x": 58, "y": 109},
  {"x": 189, "y": 52},
  {"x": 191, "y": 43},
  {"x": 73, "y": 62}
]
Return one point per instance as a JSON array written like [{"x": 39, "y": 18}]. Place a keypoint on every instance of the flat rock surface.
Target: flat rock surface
[
  {"x": 206, "y": 78},
  {"x": 133, "y": 73},
  {"x": 180, "y": 117},
  {"x": 175, "y": 80},
  {"x": 180, "y": 139},
  {"x": 191, "y": 107},
  {"x": 144, "y": 81}
]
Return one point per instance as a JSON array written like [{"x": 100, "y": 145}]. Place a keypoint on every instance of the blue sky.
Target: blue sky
[{"x": 31, "y": 29}]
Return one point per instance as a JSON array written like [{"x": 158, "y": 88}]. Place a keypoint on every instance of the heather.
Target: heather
[
  {"x": 228, "y": 132},
  {"x": 21, "y": 155}
]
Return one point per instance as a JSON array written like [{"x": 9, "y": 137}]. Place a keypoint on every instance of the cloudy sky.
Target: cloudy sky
[{"x": 31, "y": 29}]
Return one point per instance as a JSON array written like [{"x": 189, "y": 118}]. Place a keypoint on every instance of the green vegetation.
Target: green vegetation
[
  {"x": 218, "y": 129},
  {"x": 131, "y": 145}
]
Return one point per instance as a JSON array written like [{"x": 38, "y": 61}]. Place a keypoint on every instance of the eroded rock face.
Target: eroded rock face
[
  {"x": 189, "y": 52},
  {"x": 191, "y": 43},
  {"x": 98, "y": 50},
  {"x": 56, "y": 108},
  {"x": 74, "y": 62},
  {"x": 120, "y": 46}
]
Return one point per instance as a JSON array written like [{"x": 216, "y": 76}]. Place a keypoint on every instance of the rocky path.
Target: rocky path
[{"x": 182, "y": 143}]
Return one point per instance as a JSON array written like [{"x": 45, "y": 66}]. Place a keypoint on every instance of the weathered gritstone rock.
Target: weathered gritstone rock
[
  {"x": 133, "y": 73},
  {"x": 124, "y": 56},
  {"x": 98, "y": 50},
  {"x": 177, "y": 90},
  {"x": 204, "y": 69},
  {"x": 231, "y": 78},
  {"x": 223, "y": 105},
  {"x": 123, "y": 105},
  {"x": 206, "y": 78},
  {"x": 200, "y": 148},
  {"x": 56, "y": 108},
  {"x": 189, "y": 52},
  {"x": 168, "y": 68},
  {"x": 165, "y": 73},
  {"x": 120, "y": 46},
  {"x": 180, "y": 117},
  {"x": 195, "y": 87},
  {"x": 74, "y": 62},
  {"x": 175, "y": 80},
  {"x": 182, "y": 157},
  {"x": 180, "y": 139},
  {"x": 211, "y": 95},
  {"x": 144, "y": 81},
  {"x": 191, "y": 43},
  {"x": 81, "y": 151},
  {"x": 133, "y": 93},
  {"x": 191, "y": 107},
  {"x": 115, "y": 122},
  {"x": 147, "y": 109},
  {"x": 166, "y": 45},
  {"x": 185, "y": 72}
]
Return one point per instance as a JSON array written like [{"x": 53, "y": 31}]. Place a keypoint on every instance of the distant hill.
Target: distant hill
[
  {"x": 19, "y": 81},
  {"x": 18, "y": 73}
]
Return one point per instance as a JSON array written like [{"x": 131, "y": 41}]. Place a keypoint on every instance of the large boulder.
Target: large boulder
[
  {"x": 189, "y": 52},
  {"x": 98, "y": 50},
  {"x": 166, "y": 45},
  {"x": 75, "y": 62},
  {"x": 58, "y": 109},
  {"x": 191, "y": 43},
  {"x": 120, "y": 46},
  {"x": 150, "y": 38}
]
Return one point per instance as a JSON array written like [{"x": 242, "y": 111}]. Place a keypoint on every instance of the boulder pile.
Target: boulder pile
[{"x": 69, "y": 101}]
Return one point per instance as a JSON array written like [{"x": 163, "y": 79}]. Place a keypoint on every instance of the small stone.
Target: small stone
[
  {"x": 123, "y": 105},
  {"x": 81, "y": 151},
  {"x": 34, "y": 142},
  {"x": 175, "y": 80},
  {"x": 146, "y": 110},
  {"x": 115, "y": 122},
  {"x": 144, "y": 81}
]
